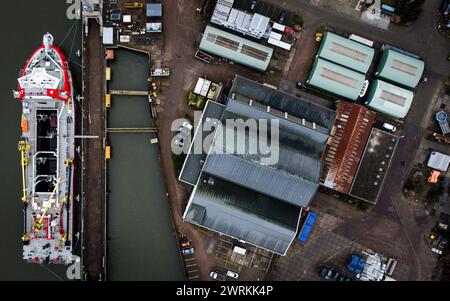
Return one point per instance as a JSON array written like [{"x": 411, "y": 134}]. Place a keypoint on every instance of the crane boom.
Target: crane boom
[{"x": 38, "y": 224}]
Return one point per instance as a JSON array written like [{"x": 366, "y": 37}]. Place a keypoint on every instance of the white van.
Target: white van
[{"x": 389, "y": 127}]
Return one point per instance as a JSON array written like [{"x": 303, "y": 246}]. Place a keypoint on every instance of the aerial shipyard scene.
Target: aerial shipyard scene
[{"x": 226, "y": 141}]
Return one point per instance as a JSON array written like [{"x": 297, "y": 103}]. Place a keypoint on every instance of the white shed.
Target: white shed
[
  {"x": 439, "y": 161},
  {"x": 108, "y": 36}
]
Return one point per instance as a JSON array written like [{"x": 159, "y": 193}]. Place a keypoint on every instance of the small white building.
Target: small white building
[
  {"x": 108, "y": 36},
  {"x": 202, "y": 87},
  {"x": 439, "y": 161}
]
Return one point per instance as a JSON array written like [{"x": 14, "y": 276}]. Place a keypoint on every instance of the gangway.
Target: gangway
[{"x": 128, "y": 93}]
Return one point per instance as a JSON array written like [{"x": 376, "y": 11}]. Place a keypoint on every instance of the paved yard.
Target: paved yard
[{"x": 341, "y": 230}]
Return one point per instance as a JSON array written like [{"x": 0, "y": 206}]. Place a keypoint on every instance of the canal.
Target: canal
[{"x": 141, "y": 244}]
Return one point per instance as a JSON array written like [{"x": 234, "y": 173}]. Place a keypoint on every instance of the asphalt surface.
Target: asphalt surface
[{"x": 421, "y": 38}]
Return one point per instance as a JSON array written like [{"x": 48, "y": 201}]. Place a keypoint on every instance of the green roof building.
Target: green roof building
[
  {"x": 336, "y": 79},
  {"x": 237, "y": 49},
  {"x": 389, "y": 99},
  {"x": 400, "y": 68},
  {"x": 345, "y": 52}
]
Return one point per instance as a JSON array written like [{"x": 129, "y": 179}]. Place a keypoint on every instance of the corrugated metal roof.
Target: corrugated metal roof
[
  {"x": 293, "y": 178},
  {"x": 291, "y": 134},
  {"x": 193, "y": 163},
  {"x": 284, "y": 102},
  {"x": 336, "y": 79},
  {"x": 346, "y": 52},
  {"x": 243, "y": 214},
  {"x": 346, "y": 145},
  {"x": 389, "y": 99},
  {"x": 400, "y": 68},
  {"x": 439, "y": 161},
  {"x": 268, "y": 180},
  {"x": 235, "y": 48}
]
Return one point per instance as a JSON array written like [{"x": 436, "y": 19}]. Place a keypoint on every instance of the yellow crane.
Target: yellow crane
[
  {"x": 40, "y": 223},
  {"x": 23, "y": 147}
]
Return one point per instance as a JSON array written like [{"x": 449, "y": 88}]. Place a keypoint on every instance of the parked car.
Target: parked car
[
  {"x": 437, "y": 251},
  {"x": 232, "y": 274},
  {"x": 217, "y": 276},
  {"x": 213, "y": 275},
  {"x": 282, "y": 16},
  {"x": 329, "y": 273},
  {"x": 186, "y": 251},
  {"x": 389, "y": 127},
  {"x": 253, "y": 5}
]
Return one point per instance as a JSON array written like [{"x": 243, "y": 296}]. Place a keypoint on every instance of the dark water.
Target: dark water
[
  {"x": 23, "y": 24},
  {"x": 141, "y": 243}
]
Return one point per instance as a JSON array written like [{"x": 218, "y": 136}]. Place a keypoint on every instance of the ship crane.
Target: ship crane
[
  {"x": 23, "y": 147},
  {"x": 40, "y": 223}
]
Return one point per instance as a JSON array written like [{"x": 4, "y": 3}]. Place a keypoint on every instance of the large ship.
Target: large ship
[{"x": 47, "y": 149}]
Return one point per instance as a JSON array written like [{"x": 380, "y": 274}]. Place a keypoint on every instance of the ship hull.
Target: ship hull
[{"x": 47, "y": 149}]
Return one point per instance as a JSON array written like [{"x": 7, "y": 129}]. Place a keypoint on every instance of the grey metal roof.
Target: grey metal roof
[
  {"x": 292, "y": 135},
  {"x": 284, "y": 102},
  {"x": 193, "y": 162},
  {"x": 293, "y": 178},
  {"x": 154, "y": 10},
  {"x": 243, "y": 214},
  {"x": 267, "y": 180}
]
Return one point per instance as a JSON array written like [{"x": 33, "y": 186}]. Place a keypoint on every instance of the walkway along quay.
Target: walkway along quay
[
  {"x": 132, "y": 130},
  {"x": 93, "y": 180}
]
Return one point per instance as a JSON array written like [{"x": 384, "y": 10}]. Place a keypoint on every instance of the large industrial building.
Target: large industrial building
[
  {"x": 400, "y": 68},
  {"x": 337, "y": 80},
  {"x": 389, "y": 99},
  {"x": 237, "y": 194},
  {"x": 346, "y": 145},
  {"x": 237, "y": 49}
]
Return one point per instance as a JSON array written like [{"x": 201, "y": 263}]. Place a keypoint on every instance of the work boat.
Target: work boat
[{"x": 47, "y": 151}]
